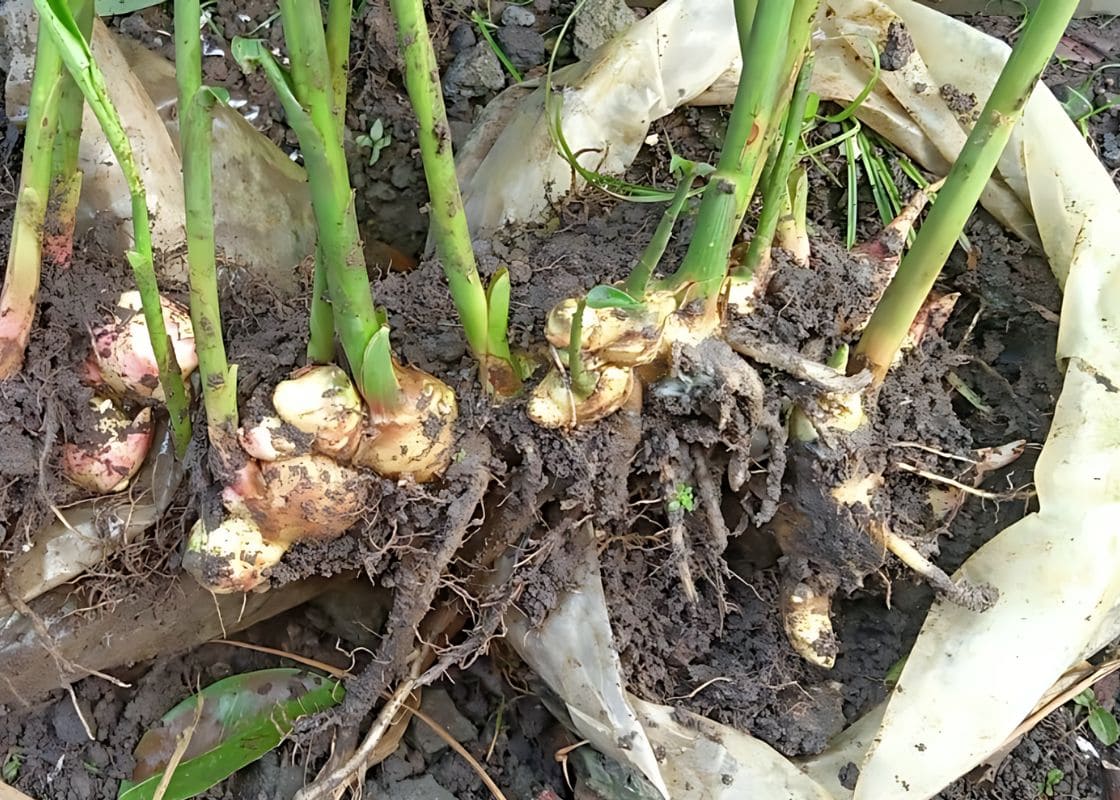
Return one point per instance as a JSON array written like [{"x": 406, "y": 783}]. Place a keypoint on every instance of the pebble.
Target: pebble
[
  {"x": 519, "y": 16},
  {"x": 422, "y": 788},
  {"x": 524, "y": 47},
  {"x": 598, "y": 22},
  {"x": 437, "y": 704},
  {"x": 474, "y": 72},
  {"x": 462, "y": 37}
]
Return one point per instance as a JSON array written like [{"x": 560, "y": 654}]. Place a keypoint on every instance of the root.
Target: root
[
  {"x": 967, "y": 595},
  {"x": 418, "y": 581},
  {"x": 821, "y": 376},
  {"x": 354, "y": 770},
  {"x": 709, "y": 498},
  {"x": 806, "y": 608},
  {"x": 671, "y": 485}
]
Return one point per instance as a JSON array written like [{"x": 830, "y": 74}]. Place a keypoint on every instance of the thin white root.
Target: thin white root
[
  {"x": 974, "y": 598},
  {"x": 680, "y": 552}
]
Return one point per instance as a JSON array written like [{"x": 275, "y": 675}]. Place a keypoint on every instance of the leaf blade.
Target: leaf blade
[{"x": 245, "y": 716}]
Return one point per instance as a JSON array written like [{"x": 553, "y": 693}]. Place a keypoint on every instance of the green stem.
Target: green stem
[
  {"x": 731, "y": 186},
  {"x": 963, "y": 186},
  {"x": 196, "y": 104},
  {"x": 310, "y": 105},
  {"x": 338, "y": 57},
  {"x": 320, "y": 343},
  {"x": 639, "y": 278},
  {"x": 66, "y": 183},
  {"x": 775, "y": 192},
  {"x": 21, "y": 280},
  {"x": 581, "y": 381},
  {"x": 448, "y": 219},
  {"x": 76, "y": 55}
]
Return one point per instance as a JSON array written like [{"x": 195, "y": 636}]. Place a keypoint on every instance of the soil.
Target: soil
[{"x": 514, "y": 485}]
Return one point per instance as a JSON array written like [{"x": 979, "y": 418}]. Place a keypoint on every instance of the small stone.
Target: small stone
[
  {"x": 1110, "y": 150},
  {"x": 68, "y": 726},
  {"x": 519, "y": 15},
  {"x": 403, "y": 174},
  {"x": 437, "y": 705},
  {"x": 461, "y": 38},
  {"x": 524, "y": 47},
  {"x": 422, "y": 788},
  {"x": 474, "y": 72},
  {"x": 598, "y": 22}
]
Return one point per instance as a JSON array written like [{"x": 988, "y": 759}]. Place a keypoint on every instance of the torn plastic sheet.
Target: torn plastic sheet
[
  {"x": 971, "y": 678},
  {"x": 573, "y": 651}
]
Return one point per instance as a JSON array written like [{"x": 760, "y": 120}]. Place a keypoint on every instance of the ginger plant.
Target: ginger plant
[
  {"x": 646, "y": 316},
  {"x": 393, "y": 419},
  {"x": 833, "y": 524},
  {"x": 49, "y": 180}
]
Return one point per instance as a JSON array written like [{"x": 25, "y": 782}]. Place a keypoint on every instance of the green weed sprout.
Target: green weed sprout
[{"x": 62, "y": 29}]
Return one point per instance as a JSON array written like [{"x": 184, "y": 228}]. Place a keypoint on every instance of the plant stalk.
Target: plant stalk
[
  {"x": 581, "y": 380},
  {"x": 920, "y": 267},
  {"x": 732, "y": 185},
  {"x": 639, "y": 277},
  {"x": 196, "y": 103},
  {"x": 66, "y": 180},
  {"x": 775, "y": 192},
  {"x": 310, "y": 104},
  {"x": 76, "y": 55},
  {"x": 21, "y": 279},
  {"x": 448, "y": 218},
  {"x": 320, "y": 343}
]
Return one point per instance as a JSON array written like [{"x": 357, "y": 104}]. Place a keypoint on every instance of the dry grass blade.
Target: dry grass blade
[
  {"x": 184, "y": 741},
  {"x": 1090, "y": 675},
  {"x": 331, "y": 670},
  {"x": 436, "y": 728}
]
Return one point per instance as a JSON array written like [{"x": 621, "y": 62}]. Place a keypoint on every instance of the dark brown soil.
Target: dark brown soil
[{"x": 514, "y": 485}]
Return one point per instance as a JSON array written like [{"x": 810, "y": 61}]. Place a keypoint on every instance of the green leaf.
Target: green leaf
[
  {"x": 1086, "y": 699},
  {"x": 610, "y": 297},
  {"x": 497, "y": 314},
  {"x": 890, "y": 680},
  {"x": 242, "y": 718},
  {"x": 220, "y": 93},
  {"x": 1104, "y": 726},
  {"x": 812, "y": 106},
  {"x": 377, "y": 380},
  {"x": 10, "y": 771},
  {"x": 107, "y": 8}
]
